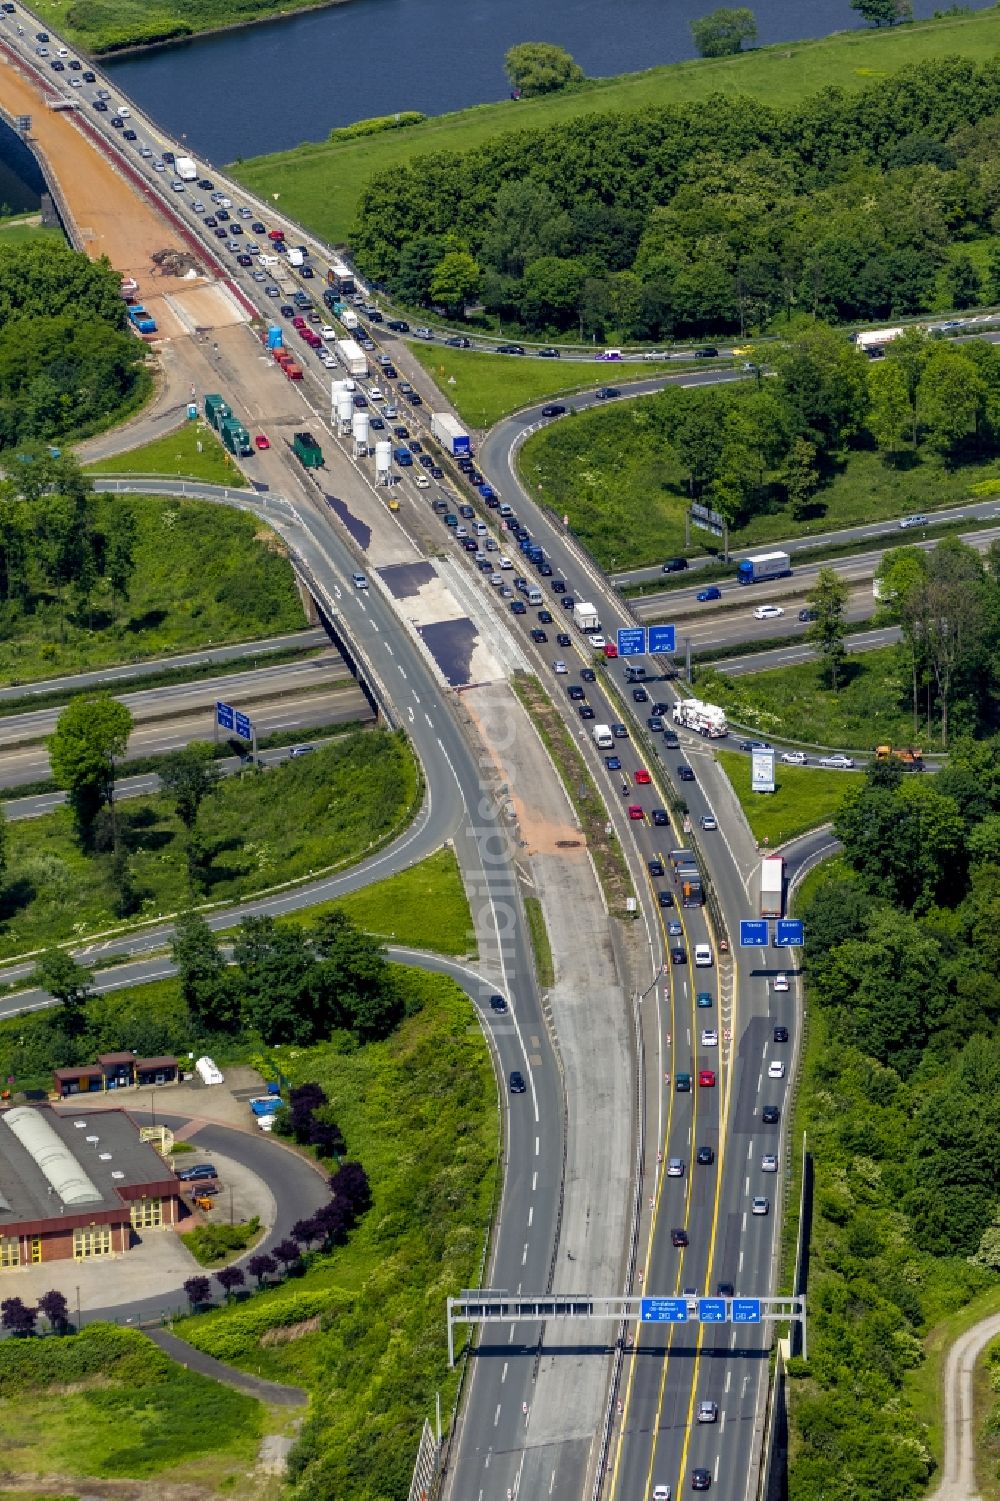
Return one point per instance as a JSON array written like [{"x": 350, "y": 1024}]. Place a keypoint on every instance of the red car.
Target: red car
[
  {"x": 634, "y": 811},
  {"x": 643, "y": 777},
  {"x": 706, "y": 1078},
  {"x": 262, "y": 441},
  {"x": 610, "y": 649},
  {"x": 276, "y": 234},
  {"x": 298, "y": 322}
]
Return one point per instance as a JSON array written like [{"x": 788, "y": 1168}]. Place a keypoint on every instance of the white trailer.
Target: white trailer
[
  {"x": 704, "y": 719},
  {"x": 772, "y": 886},
  {"x": 585, "y": 617},
  {"x": 351, "y": 356},
  {"x": 450, "y": 434},
  {"x": 874, "y": 338}
]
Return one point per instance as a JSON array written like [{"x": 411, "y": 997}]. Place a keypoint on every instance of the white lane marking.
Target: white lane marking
[
  {"x": 428, "y": 719},
  {"x": 729, "y": 1379},
  {"x": 503, "y": 1373},
  {"x": 722, "y": 1421},
  {"x": 496, "y": 1416},
  {"x": 389, "y": 649},
  {"x": 715, "y": 1472},
  {"x": 416, "y": 698},
  {"x": 410, "y": 712},
  {"x": 403, "y": 675},
  {"x": 740, "y": 1268},
  {"x": 531, "y": 1214},
  {"x": 750, "y": 1149},
  {"x": 534, "y": 1182},
  {"x": 746, "y": 1190},
  {"x": 537, "y": 1148},
  {"x": 745, "y": 1213},
  {"x": 760, "y": 1080},
  {"x": 524, "y": 1254}
]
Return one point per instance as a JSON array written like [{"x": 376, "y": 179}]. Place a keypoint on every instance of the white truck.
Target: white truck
[
  {"x": 451, "y": 435},
  {"x": 349, "y": 319},
  {"x": 772, "y": 886},
  {"x": 585, "y": 617},
  {"x": 186, "y": 168},
  {"x": 704, "y": 719},
  {"x": 296, "y": 257},
  {"x": 876, "y": 338},
  {"x": 351, "y": 356},
  {"x": 603, "y": 738}
]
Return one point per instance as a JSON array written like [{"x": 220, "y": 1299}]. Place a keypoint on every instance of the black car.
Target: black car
[
  {"x": 286, "y": 310},
  {"x": 235, "y": 229},
  {"x": 89, "y": 77},
  {"x": 211, "y": 221},
  {"x": 130, "y": 135},
  {"x": 498, "y": 1004},
  {"x": 258, "y": 228},
  {"x": 678, "y": 954},
  {"x": 554, "y": 410},
  {"x": 619, "y": 731},
  {"x": 206, "y": 184},
  {"x": 197, "y": 1171},
  {"x": 517, "y": 1084},
  {"x": 244, "y": 260},
  {"x": 665, "y": 898},
  {"x": 459, "y": 342},
  {"x": 100, "y": 106},
  {"x": 704, "y": 1156},
  {"x": 675, "y": 565},
  {"x": 706, "y": 352},
  {"x": 558, "y": 586},
  {"x": 414, "y": 398},
  {"x": 58, "y": 67},
  {"x": 655, "y": 866},
  {"x": 117, "y": 122},
  {"x": 770, "y": 1115},
  {"x": 576, "y": 693},
  {"x": 376, "y": 424},
  {"x": 685, "y": 773},
  {"x": 586, "y": 712},
  {"x": 588, "y": 674},
  {"x": 168, "y": 156},
  {"x": 670, "y": 740},
  {"x": 425, "y": 461},
  {"x": 655, "y": 723},
  {"x": 415, "y": 446},
  {"x": 548, "y": 354},
  {"x": 398, "y": 325},
  {"x": 640, "y": 696},
  {"x": 544, "y": 617},
  {"x": 518, "y": 607},
  {"x": 781, "y": 1034},
  {"x": 222, "y": 214},
  {"x": 510, "y": 349},
  {"x": 808, "y": 614},
  {"x": 220, "y": 233},
  {"x": 660, "y": 818},
  {"x": 606, "y": 393},
  {"x": 679, "y": 1238},
  {"x": 725, "y": 1290},
  {"x": 539, "y": 637},
  {"x": 74, "y": 65},
  {"x": 307, "y": 272},
  {"x": 372, "y": 314},
  {"x": 437, "y": 472},
  {"x": 401, "y": 431},
  {"x": 568, "y": 601},
  {"x": 701, "y": 1479}
]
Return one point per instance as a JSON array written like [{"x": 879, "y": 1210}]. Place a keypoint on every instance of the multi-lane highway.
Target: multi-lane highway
[{"x": 727, "y": 1047}]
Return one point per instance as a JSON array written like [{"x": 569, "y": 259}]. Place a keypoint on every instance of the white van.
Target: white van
[
  {"x": 603, "y": 738},
  {"x": 702, "y": 956}
]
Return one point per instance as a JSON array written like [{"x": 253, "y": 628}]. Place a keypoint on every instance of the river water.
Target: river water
[{"x": 268, "y": 87}]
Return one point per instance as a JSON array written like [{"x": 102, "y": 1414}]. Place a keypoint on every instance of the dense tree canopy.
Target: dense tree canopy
[
  {"x": 724, "y": 31},
  {"x": 540, "y": 68},
  {"x": 67, "y": 359},
  {"x": 719, "y": 216}
]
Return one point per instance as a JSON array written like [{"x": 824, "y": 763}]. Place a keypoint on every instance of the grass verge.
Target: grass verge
[
  {"x": 107, "y": 1403},
  {"x": 803, "y": 798},
  {"x": 612, "y": 473},
  {"x": 204, "y": 575},
  {"x": 795, "y": 703},
  {"x": 581, "y": 789},
  {"x": 420, "y": 1112},
  {"x": 485, "y": 387},
  {"x": 424, "y": 907},
  {"x": 259, "y": 830},
  {"x": 217, "y": 1244},
  {"x": 540, "y": 946},
  {"x": 320, "y": 183},
  {"x": 191, "y": 452},
  {"x": 27, "y": 230}
]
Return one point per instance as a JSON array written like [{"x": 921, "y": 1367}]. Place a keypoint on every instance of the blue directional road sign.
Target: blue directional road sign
[
  {"x": 224, "y": 714},
  {"x": 664, "y": 1310},
  {"x": 788, "y": 933},
  {"x": 662, "y": 640},
  {"x": 712, "y": 1310},
  {"x": 632, "y": 641},
  {"x": 243, "y": 725},
  {"x": 753, "y": 933},
  {"x": 746, "y": 1310}
]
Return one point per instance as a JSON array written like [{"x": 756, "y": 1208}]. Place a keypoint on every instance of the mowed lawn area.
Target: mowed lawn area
[
  {"x": 485, "y": 387},
  {"x": 611, "y": 472},
  {"x": 258, "y": 830},
  {"x": 796, "y": 703},
  {"x": 424, "y": 907},
  {"x": 320, "y": 183},
  {"x": 803, "y": 798},
  {"x": 192, "y": 452}
]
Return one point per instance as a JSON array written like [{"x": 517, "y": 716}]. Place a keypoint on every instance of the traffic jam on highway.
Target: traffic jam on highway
[{"x": 710, "y": 1225}]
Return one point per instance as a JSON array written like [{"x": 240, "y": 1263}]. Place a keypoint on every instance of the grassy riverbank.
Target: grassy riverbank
[
  {"x": 320, "y": 183},
  {"x": 114, "y": 25}
]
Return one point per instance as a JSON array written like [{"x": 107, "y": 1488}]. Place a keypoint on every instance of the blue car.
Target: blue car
[
  {"x": 613, "y": 763},
  {"x": 710, "y": 593}
]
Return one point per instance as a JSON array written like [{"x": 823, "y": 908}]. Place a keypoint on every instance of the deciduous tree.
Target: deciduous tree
[
  {"x": 67, "y": 982},
  {"x": 827, "y": 632},
  {"x": 724, "y": 31},
  {"x": 540, "y": 68},
  {"x": 91, "y": 735}
]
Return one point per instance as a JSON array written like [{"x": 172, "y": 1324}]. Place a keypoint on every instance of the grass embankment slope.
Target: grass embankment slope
[
  {"x": 485, "y": 387},
  {"x": 625, "y": 494},
  {"x": 364, "y": 1327},
  {"x": 258, "y": 830},
  {"x": 27, "y": 229},
  {"x": 108, "y": 25},
  {"x": 107, "y": 1403},
  {"x": 320, "y": 184},
  {"x": 803, "y": 798},
  {"x": 204, "y": 575},
  {"x": 796, "y": 703},
  {"x": 177, "y": 453},
  {"x": 424, "y": 907}
]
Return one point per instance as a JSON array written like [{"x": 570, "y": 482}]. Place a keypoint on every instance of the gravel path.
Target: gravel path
[{"x": 958, "y": 1472}]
